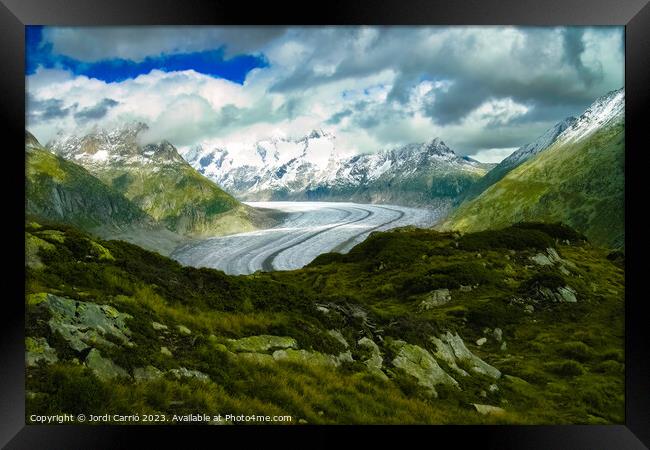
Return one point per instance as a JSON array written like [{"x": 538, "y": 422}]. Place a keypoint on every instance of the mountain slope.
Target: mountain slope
[
  {"x": 578, "y": 180},
  {"x": 61, "y": 190},
  {"x": 517, "y": 158},
  {"x": 157, "y": 179},
  {"x": 409, "y": 327},
  {"x": 58, "y": 190},
  {"x": 311, "y": 168}
]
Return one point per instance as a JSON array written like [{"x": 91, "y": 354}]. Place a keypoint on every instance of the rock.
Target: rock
[
  {"x": 488, "y": 409},
  {"x": 302, "y": 421},
  {"x": 516, "y": 380},
  {"x": 529, "y": 309},
  {"x": 336, "y": 334},
  {"x": 182, "y": 372},
  {"x": 483, "y": 394},
  {"x": 465, "y": 288},
  {"x": 262, "y": 343},
  {"x": 184, "y": 330},
  {"x": 419, "y": 363},
  {"x": 104, "y": 368},
  {"x": 435, "y": 298},
  {"x": 564, "y": 270},
  {"x": 481, "y": 341},
  {"x": 568, "y": 295},
  {"x": 84, "y": 324},
  {"x": 37, "y": 350},
  {"x": 375, "y": 361},
  {"x": 306, "y": 357},
  {"x": 158, "y": 326},
  {"x": 322, "y": 309},
  {"x": 32, "y": 246},
  {"x": 344, "y": 357},
  {"x": 445, "y": 353},
  {"x": 165, "y": 351},
  {"x": 493, "y": 388},
  {"x": 257, "y": 358},
  {"x": 146, "y": 373},
  {"x": 498, "y": 334},
  {"x": 463, "y": 355},
  {"x": 503, "y": 347}
]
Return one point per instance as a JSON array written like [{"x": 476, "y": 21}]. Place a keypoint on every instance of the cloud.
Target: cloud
[
  {"x": 476, "y": 88},
  {"x": 96, "y": 111},
  {"x": 493, "y": 155},
  {"x": 136, "y": 43}
]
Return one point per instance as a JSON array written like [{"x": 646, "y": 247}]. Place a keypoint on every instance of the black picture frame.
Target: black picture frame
[{"x": 15, "y": 14}]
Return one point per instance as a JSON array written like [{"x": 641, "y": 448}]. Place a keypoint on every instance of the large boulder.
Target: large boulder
[
  {"x": 419, "y": 363},
  {"x": 84, "y": 324},
  {"x": 146, "y": 373},
  {"x": 262, "y": 343}
]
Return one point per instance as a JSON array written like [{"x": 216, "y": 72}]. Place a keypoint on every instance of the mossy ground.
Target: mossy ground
[{"x": 564, "y": 361}]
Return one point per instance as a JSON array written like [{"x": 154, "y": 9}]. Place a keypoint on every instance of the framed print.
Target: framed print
[{"x": 388, "y": 214}]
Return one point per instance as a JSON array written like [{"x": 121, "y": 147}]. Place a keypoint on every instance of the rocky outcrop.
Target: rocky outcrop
[
  {"x": 38, "y": 350},
  {"x": 374, "y": 361},
  {"x": 262, "y": 343},
  {"x": 147, "y": 373},
  {"x": 465, "y": 357},
  {"x": 488, "y": 409},
  {"x": 306, "y": 357},
  {"x": 435, "y": 298},
  {"x": 419, "y": 363},
  {"x": 104, "y": 368},
  {"x": 84, "y": 324}
]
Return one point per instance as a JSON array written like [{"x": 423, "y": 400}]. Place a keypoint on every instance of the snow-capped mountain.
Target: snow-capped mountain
[
  {"x": 311, "y": 168},
  {"x": 605, "y": 111},
  {"x": 158, "y": 180}
]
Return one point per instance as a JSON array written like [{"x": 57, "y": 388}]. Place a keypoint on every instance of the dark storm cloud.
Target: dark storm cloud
[
  {"x": 44, "y": 110},
  {"x": 96, "y": 111}
]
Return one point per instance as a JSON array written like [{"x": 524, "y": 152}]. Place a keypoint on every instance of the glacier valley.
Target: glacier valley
[{"x": 310, "y": 229}]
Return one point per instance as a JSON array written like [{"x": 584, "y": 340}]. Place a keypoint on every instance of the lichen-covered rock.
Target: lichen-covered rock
[
  {"x": 183, "y": 372},
  {"x": 184, "y": 330},
  {"x": 445, "y": 353},
  {"x": 84, "y": 324},
  {"x": 262, "y": 343},
  {"x": 374, "y": 361},
  {"x": 146, "y": 373},
  {"x": 104, "y": 368},
  {"x": 488, "y": 409},
  {"x": 257, "y": 358},
  {"x": 158, "y": 326},
  {"x": 336, "y": 334},
  {"x": 419, "y": 363},
  {"x": 37, "y": 350},
  {"x": 435, "y": 298},
  {"x": 481, "y": 341},
  {"x": 33, "y": 245},
  {"x": 463, "y": 355},
  {"x": 305, "y": 357},
  {"x": 498, "y": 334}
]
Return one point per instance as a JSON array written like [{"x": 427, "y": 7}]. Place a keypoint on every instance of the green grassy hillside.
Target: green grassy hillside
[
  {"x": 412, "y": 326},
  {"x": 60, "y": 190},
  {"x": 580, "y": 183}
]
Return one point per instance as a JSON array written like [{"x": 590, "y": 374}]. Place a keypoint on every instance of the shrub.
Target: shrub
[
  {"x": 578, "y": 351},
  {"x": 568, "y": 368},
  {"x": 513, "y": 238}
]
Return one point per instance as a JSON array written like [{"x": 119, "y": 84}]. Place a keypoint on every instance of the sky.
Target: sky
[{"x": 485, "y": 91}]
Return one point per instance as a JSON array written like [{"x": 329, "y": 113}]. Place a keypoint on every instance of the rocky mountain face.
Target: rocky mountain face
[
  {"x": 157, "y": 179},
  {"x": 310, "y": 168},
  {"x": 578, "y": 179}
]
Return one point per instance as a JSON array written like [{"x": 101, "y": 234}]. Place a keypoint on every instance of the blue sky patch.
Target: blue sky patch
[{"x": 209, "y": 62}]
